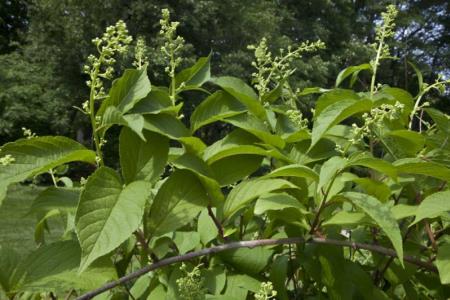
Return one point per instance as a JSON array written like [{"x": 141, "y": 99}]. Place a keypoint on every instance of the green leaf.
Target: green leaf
[
  {"x": 206, "y": 227},
  {"x": 382, "y": 166},
  {"x": 256, "y": 127},
  {"x": 180, "y": 198},
  {"x": 443, "y": 263},
  {"x": 204, "y": 173},
  {"x": 333, "y": 96},
  {"x": 104, "y": 205},
  {"x": 294, "y": 170},
  {"x": 166, "y": 125},
  {"x": 39, "y": 230},
  {"x": 54, "y": 268},
  {"x": 38, "y": 155},
  {"x": 404, "y": 141},
  {"x": 157, "y": 101},
  {"x": 334, "y": 114},
  {"x": 278, "y": 276},
  {"x": 127, "y": 90},
  {"x": 238, "y": 142},
  {"x": 278, "y": 201},
  {"x": 186, "y": 241},
  {"x": 328, "y": 172},
  {"x": 230, "y": 169},
  {"x": 343, "y": 218},
  {"x": 249, "y": 261},
  {"x": 381, "y": 214},
  {"x": 433, "y": 206},
  {"x": 196, "y": 75},
  {"x": 401, "y": 211},
  {"x": 216, "y": 107},
  {"x": 242, "y": 92},
  {"x": 440, "y": 119},
  {"x": 9, "y": 260},
  {"x": 352, "y": 70},
  {"x": 113, "y": 116},
  {"x": 63, "y": 199},
  {"x": 142, "y": 160},
  {"x": 249, "y": 190},
  {"x": 375, "y": 188},
  {"x": 421, "y": 167}
]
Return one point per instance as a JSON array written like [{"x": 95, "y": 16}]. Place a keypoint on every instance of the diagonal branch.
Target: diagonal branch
[{"x": 251, "y": 244}]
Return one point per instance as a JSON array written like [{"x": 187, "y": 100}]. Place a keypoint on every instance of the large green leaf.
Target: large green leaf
[
  {"x": 381, "y": 214},
  {"x": 443, "y": 263},
  {"x": 250, "y": 261},
  {"x": 157, "y": 101},
  {"x": 333, "y": 96},
  {"x": 242, "y": 92},
  {"x": 328, "y": 172},
  {"x": 108, "y": 213},
  {"x": 352, "y": 70},
  {"x": 404, "y": 142},
  {"x": 180, "y": 198},
  {"x": 230, "y": 169},
  {"x": 433, "y": 206},
  {"x": 249, "y": 190},
  {"x": 54, "y": 268},
  {"x": 196, "y": 75},
  {"x": 256, "y": 127},
  {"x": 204, "y": 173},
  {"x": 142, "y": 160},
  {"x": 38, "y": 155},
  {"x": 239, "y": 142},
  {"x": 63, "y": 199},
  {"x": 364, "y": 160},
  {"x": 421, "y": 167},
  {"x": 216, "y": 107},
  {"x": 113, "y": 116},
  {"x": 276, "y": 201},
  {"x": 334, "y": 114},
  {"x": 166, "y": 125},
  {"x": 294, "y": 170},
  {"x": 9, "y": 260},
  {"x": 127, "y": 90}
]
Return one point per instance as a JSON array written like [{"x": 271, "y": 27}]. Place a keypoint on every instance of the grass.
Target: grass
[{"x": 16, "y": 226}]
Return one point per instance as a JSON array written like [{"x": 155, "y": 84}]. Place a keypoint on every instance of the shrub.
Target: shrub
[{"x": 351, "y": 205}]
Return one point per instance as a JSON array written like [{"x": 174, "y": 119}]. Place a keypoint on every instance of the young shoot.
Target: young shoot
[
  {"x": 173, "y": 45},
  {"x": 115, "y": 40},
  {"x": 274, "y": 70},
  {"x": 383, "y": 31},
  {"x": 140, "y": 59},
  {"x": 438, "y": 85}
]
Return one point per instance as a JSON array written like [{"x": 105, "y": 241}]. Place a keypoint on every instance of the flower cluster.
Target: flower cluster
[
  {"x": 296, "y": 117},
  {"x": 7, "y": 160},
  {"x": 382, "y": 32},
  {"x": 276, "y": 69},
  {"x": 28, "y": 133},
  {"x": 375, "y": 118},
  {"x": 190, "y": 286},
  {"x": 140, "y": 59},
  {"x": 173, "y": 43},
  {"x": 266, "y": 292},
  {"x": 114, "y": 40}
]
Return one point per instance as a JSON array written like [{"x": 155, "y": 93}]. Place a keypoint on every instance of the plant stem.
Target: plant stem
[
  {"x": 98, "y": 149},
  {"x": 251, "y": 244},
  {"x": 375, "y": 66},
  {"x": 216, "y": 222}
]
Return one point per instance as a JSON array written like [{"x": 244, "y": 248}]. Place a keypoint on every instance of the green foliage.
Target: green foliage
[{"x": 361, "y": 194}]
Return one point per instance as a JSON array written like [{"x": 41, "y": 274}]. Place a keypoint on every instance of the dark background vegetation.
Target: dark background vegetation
[{"x": 43, "y": 44}]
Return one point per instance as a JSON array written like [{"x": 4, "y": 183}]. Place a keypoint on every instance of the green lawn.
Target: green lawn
[{"x": 16, "y": 227}]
